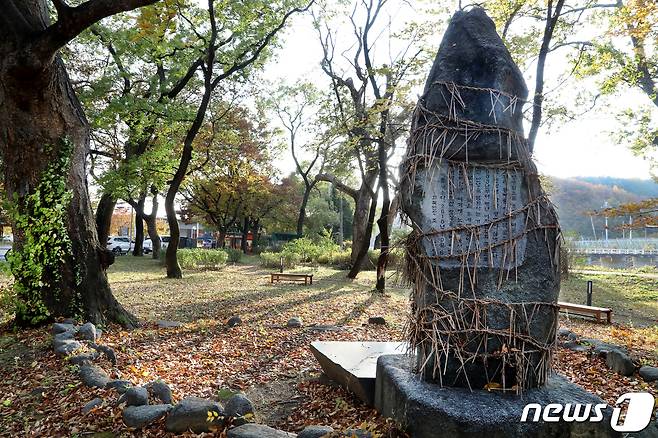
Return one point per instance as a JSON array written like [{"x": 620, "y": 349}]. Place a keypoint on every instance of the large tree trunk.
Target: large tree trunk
[
  {"x": 221, "y": 241},
  {"x": 360, "y": 248},
  {"x": 382, "y": 261},
  {"x": 152, "y": 227},
  {"x": 245, "y": 233},
  {"x": 171, "y": 258},
  {"x": 43, "y": 123},
  {"x": 302, "y": 209},
  {"x": 104, "y": 213},
  {"x": 362, "y": 224},
  {"x": 138, "y": 250}
]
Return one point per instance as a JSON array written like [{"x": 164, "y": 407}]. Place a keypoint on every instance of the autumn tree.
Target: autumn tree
[
  {"x": 134, "y": 75},
  {"x": 235, "y": 38},
  {"x": 299, "y": 109},
  {"x": 371, "y": 111},
  {"x": 57, "y": 260},
  {"x": 230, "y": 189},
  {"x": 626, "y": 57}
]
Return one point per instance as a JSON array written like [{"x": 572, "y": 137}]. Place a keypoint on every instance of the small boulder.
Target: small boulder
[
  {"x": 87, "y": 332},
  {"x": 59, "y": 327},
  {"x": 91, "y": 405},
  {"x": 67, "y": 347},
  {"x": 377, "y": 320},
  {"x": 648, "y": 373},
  {"x": 620, "y": 363},
  {"x": 93, "y": 376},
  {"x": 601, "y": 348},
  {"x": 140, "y": 416},
  {"x": 563, "y": 332},
  {"x": 238, "y": 406},
  {"x": 294, "y": 322},
  {"x": 192, "y": 413},
  {"x": 106, "y": 351},
  {"x": 83, "y": 358},
  {"x": 60, "y": 338},
  {"x": 315, "y": 431},
  {"x": 169, "y": 324},
  {"x": 575, "y": 346},
  {"x": 121, "y": 386},
  {"x": 160, "y": 390},
  {"x": 233, "y": 321},
  {"x": 135, "y": 396},
  {"x": 71, "y": 321},
  {"x": 257, "y": 431}
]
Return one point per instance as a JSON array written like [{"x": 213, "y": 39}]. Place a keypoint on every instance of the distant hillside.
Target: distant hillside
[
  {"x": 645, "y": 188},
  {"x": 574, "y": 197}
]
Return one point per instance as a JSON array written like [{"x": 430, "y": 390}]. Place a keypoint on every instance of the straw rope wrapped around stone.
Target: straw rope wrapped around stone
[{"x": 463, "y": 326}]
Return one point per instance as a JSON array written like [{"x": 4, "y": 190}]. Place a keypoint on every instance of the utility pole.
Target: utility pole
[
  {"x": 605, "y": 206},
  {"x": 630, "y": 227},
  {"x": 591, "y": 219}
]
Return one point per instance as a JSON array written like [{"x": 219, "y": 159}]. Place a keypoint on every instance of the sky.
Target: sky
[{"x": 583, "y": 147}]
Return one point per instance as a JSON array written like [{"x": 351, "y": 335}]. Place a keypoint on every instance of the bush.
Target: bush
[
  {"x": 338, "y": 259},
  {"x": 273, "y": 259},
  {"x": 234, "y": 255},
  {"x": 309, "y": 250},
  {"x": 395, "y": 258},
  {"x": 190, "y": 258}
]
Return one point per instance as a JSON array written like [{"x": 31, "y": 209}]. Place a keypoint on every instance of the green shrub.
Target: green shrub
[
  {"x": 273, "y": 259},
  {"x": 310, "y": 250},
  {"x": 190, "y": 258},
  {"x": 234, "y": 255},
  {"x": 341, "y": 259},
  {"x": 395, "y": 258}
]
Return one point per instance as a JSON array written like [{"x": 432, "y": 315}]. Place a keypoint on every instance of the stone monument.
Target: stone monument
[{"x": 483, "y": 255}]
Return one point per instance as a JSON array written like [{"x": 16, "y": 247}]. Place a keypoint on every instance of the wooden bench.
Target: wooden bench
[
  {"x": 278, "y": 276},
  {"x": 581, "y": 309}
]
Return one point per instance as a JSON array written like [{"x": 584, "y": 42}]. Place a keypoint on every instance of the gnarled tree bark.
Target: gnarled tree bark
[{"x": 41, "y": 115}]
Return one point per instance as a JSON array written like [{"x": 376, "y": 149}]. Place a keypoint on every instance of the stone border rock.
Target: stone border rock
[
  {"x": 616, "y": 357},
  {"x": 79, "y": 345}
]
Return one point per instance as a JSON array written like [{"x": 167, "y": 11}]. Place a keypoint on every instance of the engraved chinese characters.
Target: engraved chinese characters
[{"x": 470, "y": 208}]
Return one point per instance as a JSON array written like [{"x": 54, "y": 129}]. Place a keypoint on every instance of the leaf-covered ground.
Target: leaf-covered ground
[{"x": 41, "y": 396}]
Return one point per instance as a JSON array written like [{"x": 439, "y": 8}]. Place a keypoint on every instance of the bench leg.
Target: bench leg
[
  {"x": 609, "y": 317},
  {"x": 311, "y": 279}
]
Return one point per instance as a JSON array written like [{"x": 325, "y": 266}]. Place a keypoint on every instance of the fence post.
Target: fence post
[{"x": 589, "y": 292}]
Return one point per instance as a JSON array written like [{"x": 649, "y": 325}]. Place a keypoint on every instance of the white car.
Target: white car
[
  {"x": 119, "y": 244},
  {"x": 148, "y": 244}
]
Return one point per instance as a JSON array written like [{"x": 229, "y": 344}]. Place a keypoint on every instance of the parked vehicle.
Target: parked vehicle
[
  {"x": 148, "y": 244},
  {"x": 119, "y": 244},
  {"x": 6, "y": 243},
  {"x": 165, "y": 241}
]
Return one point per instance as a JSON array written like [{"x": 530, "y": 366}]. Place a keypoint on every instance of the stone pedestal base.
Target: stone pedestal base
[{"x": 426, "y": 410}]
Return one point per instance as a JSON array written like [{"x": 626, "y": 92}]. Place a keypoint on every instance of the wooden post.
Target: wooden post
[{"x": 589, "y": 292}]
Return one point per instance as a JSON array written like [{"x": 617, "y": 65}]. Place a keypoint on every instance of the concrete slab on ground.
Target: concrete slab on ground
[{"x": 353, "y": 365}]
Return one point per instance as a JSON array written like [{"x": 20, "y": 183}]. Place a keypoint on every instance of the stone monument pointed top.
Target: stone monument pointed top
[
  {"x": 473, "y": 66},
  {"x": 472, "y": 53}
]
